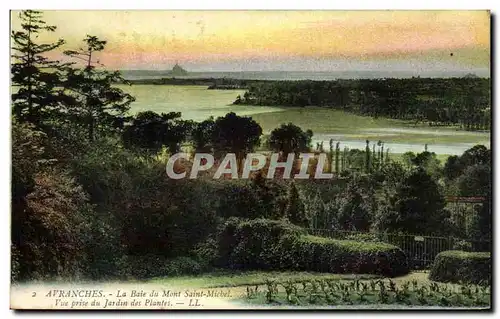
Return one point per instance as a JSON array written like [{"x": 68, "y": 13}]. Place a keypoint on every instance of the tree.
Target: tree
[
  {"x": 456, "y": 165},
  {"x": 481, "y": 223},
  {"x": 356, "y": 159},
  {"x": 430, "y": 163},
  {"x": 99, "y": 104},
  {"x": 236, "y": 134},
  {"x": 367, "y": 157},
  {"x": 354, "y": 211},
  {"x": 390, "y": 175},
  {"x": 202, "y": 135},
  {"x": 35, "y": 78},
  {"x": 295, "y": 210},
  {"x": 289, "y": 138},
  {"x": 475, "y": 181},
  {"x": 453, "y": 167},
  {"x": 337, "y": 157},
  {"x": 417, "y": 206},
  {"x": 151, "y": 131},
  {"x": 477, "y": 155},
  {"x": 316, "y": 209},
  {"x": 409, "y": 159}
]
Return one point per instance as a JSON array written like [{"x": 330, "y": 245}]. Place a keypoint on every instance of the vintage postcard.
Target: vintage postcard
[{"x": 251, "y": 160}]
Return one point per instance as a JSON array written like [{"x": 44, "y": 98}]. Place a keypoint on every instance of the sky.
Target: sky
[{"x": 280, "y": 40}]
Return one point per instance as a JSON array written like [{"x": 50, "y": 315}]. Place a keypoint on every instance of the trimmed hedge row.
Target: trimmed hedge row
[
  {"x": 461, "y": 266},
  {"x": 273, "y": 244},
  {"x": 347, "y": 256}
]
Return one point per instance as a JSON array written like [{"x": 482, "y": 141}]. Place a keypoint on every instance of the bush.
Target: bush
[
  {"x": 346, "y": 256},
  {"x": 254, "y": 244},
  {"x": 462, "y": 245},
  {"x": 460, "y": 266},
  {"x": 150, "y": 214},
  {"x": 271, "y": 244},
  {"x": 185, "y": 266},
  {"x": 150, "y": 266}
]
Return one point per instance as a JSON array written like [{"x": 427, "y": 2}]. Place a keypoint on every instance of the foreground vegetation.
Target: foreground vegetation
[
  {"x": 322, "y": 292},
  {"x": 461, "y": 266},
  {"x": 236, "y": 278}
]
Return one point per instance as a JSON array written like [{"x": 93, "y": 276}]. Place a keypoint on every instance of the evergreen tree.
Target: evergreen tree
[
  {"x": 481, "y": 224},
  {"x": 315, "y": 208},
  {"x": 354, "y": 210},
  {"x": 330, "y": 157},
  {"x": 337, "y": 155},
  {"x": 295, "y": 210},
  {"x": 374, "y": 159},
  {"x": 382, "y": 154},
  {"x": 367, "y": 159},
  {"x": 416, "y": 207},
  {"x": 100, "y": 104},
  {"x": 36, "y": 79}
]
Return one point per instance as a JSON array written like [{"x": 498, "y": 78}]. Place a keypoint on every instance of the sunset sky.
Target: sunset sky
[{"x": 281, "y": 40}]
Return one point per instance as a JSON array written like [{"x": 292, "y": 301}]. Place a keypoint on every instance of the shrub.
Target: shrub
[
  {"x": 185, "y": 266},
  {"x": 150, "y": 266},
  {"x": 256, "y": 198},
  {"x": 150, "y": 213},
  {"x": 346, "y": 256},
  {"x": 272, "y": 244},
  {"x": 49, "y": 234},
  {"x": 462, "y": 245},
  {"x": 468, "y": 267},
  {"x": 255, "y": 244}
]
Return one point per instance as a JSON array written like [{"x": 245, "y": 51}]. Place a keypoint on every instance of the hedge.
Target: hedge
[
  {"x": 273, "y": 245},
  {"x": 460, "y": 266},
  {"x": 347, "y": 256},
  {"x": 253, "y": 244}
]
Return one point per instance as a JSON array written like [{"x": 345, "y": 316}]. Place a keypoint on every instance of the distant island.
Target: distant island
[{"x": 177, "y": 70}]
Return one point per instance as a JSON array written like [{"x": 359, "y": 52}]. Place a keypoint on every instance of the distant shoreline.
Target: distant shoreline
[
  {"x": 225, "y": 83},
  {"x": 212, "y": 83}
]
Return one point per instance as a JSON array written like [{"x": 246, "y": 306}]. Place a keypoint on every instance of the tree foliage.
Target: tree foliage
[
  {"x": 295, "y": 209},
  {"x": 36, "y": 79},
  {"x": 454, "y": 101},
  {"x": 97, "y": 105},
  {"x": 289, "y": 138},
  {"x": 416, "y": 207},
  {"x": 236, "y": 134},
  {"x": 151, "y": 131}
]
